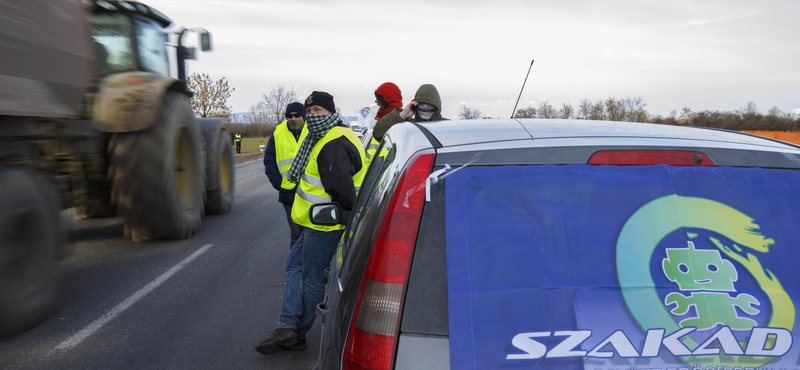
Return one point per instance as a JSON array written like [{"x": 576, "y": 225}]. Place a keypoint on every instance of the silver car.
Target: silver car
[{"x": 520, "y": 243}]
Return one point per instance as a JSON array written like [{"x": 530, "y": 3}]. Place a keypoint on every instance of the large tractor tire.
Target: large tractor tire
[
  {"x": 30, "y": 240},
  {"x": 157, "y": 174},
  {"x": 220, "y": 174}
]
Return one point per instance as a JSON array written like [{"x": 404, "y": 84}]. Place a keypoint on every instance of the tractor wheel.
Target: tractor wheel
[
  {"x": 221, "y": 175},
  {"x": 157, "y": 174},
  {"x": 30, "y": 240}
]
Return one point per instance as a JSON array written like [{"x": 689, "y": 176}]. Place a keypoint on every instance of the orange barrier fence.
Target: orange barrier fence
[{"x": 792, "y": 137}]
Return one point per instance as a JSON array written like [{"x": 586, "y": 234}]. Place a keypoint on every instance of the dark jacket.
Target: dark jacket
[
  {"x": 271, "y": 169},
  {"x": 425, "y": 94},
  {"x": 338, "y": 162}
]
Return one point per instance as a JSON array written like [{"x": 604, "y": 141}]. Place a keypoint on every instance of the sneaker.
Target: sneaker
[
  {"x": 301, "y": 344},
  {"x": 280, "y": 340}
]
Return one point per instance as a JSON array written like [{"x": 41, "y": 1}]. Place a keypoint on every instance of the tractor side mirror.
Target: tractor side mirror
[{"x": 205, "y": 41}]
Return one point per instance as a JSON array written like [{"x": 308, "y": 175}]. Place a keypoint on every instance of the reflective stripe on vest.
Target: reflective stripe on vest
[
  {"x": 310, "y": 189},
  {"x": 286, "y": 147}
]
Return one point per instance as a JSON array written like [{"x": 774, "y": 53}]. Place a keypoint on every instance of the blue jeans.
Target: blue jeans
[
  {"x": 317, "y": 248},
  {"x": 293, "y": 296}
]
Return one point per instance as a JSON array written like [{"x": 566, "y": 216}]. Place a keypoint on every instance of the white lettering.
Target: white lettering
[
  {"x": 779, "y": 338},
  {"x": 532, "y": 348},
  {"x": 770, "y": 342},
  {"x": 726, "y": 341},
  {"x": 673, "y": 343},
  {"x": 565, "y": 348},
  {"x": 619, "y": 342},
  {"x": 652, "y": 342}
]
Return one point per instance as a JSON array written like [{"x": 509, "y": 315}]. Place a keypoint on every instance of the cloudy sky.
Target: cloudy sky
[{"x": 711, "y": 54}]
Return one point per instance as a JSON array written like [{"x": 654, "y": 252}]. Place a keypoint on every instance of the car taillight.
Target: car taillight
[
  {"x": 375, "y": 326},
  {"x": 647, "y": 157}
]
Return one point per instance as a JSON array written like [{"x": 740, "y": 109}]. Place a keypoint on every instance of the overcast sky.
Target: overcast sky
[{"x": 710, "y": 54}]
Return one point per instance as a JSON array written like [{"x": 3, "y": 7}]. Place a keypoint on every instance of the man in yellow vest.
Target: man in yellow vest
[
  {"x": 328, "y": 167},
  {"x": 238, "y": 140},
  {"x": 278, "y": 159}
]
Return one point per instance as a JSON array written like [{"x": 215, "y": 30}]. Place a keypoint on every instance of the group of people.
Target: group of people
[{"x": 313, "y": 157}]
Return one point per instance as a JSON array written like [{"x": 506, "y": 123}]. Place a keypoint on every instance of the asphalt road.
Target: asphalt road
[{"x": 199, "y": 303}]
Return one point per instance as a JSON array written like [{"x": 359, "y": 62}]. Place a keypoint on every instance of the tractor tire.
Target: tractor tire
[
  {"x": 156, "y": 175},
  {"x": 220, "y": 173},
  {"x": 30, "y": 241}
]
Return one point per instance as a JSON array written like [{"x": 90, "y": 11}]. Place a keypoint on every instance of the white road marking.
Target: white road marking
[{"x": 116, "y": 311}]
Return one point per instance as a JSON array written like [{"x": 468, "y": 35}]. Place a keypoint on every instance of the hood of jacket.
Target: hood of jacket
[
  {"x": 428, "y": 94},
  {"x": 390, "y": 93}
]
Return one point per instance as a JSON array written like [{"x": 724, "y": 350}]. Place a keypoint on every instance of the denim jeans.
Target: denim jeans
[
  {"x": 320, "y": 247},
  {"x": 293, "y": 296},
  {"x": 294, "y": 228},
  {"x": 315, "y": 250}
]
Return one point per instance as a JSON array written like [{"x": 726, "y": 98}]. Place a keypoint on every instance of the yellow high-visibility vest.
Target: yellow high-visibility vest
[
  {"x": 311, "y": 191},
  {"x": 238, "y": 138},
  {"x": 372, "y": 148},
  {"x": 285, "y": 149}
]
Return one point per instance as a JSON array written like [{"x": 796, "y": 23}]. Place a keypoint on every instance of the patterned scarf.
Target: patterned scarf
[{"x": 318, "y": 126}]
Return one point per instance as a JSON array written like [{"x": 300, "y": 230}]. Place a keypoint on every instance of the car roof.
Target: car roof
[{"x": 465, "y": 132}]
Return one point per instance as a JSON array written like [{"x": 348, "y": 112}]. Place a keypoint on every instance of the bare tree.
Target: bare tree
[
  {"x": 529, "y": 112},
  {"x": 468, "y": 113},
  {"x": 776, "y": 112},
  {"x": 566, "y": 111},
  {"x": 685, "y": 116},
  {"x": 749, "y": 108},
  {"x": 634, "y": 109},
  {"x": 210, "y": 97},
  {"x": 258, "y": 113},
  {"x": 546, "y": 110},
  {"x": 598, "y": 111},
  {"x": 276, "y": 101},
  {"x": 615, "y": 109},
  {"x": 585, "y": 109}
]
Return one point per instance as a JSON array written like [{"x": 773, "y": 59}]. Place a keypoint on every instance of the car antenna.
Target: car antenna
[{"x": 520, "y": 90}]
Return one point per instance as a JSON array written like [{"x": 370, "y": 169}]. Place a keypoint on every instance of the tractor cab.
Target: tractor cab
[{"x": 130, "y": 36}]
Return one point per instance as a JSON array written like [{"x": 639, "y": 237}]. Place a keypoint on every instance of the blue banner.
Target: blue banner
[{"x": 623, "y": 267}]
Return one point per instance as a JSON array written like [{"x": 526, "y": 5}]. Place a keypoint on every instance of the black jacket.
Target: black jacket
[
  {"x": 274, "y": 175},
  {"x": 338, "y": 162}
]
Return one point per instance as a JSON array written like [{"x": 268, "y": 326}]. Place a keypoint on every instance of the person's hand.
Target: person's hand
[{"x": 408, "y": 111}]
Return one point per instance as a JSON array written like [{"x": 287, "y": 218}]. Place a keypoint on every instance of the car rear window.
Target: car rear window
[{"x": 577, "y": 266}]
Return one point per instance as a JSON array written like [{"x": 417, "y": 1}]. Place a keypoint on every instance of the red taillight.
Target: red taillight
[
  {"x": 647, "y": 157},
  {"x": 372, "y": 337}
]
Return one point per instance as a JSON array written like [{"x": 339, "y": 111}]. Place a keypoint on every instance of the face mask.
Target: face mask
[{"x": 425, "y": 111}]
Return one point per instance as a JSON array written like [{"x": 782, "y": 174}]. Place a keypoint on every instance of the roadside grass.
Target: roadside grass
[{"x": 251, "y": 144}]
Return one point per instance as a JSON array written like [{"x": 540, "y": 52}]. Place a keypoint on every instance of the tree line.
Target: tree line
[
  {"x": 632, "y": 109},
  {"x": 210, "y": 100}
]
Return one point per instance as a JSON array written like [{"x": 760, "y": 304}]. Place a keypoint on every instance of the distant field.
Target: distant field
[{"x": 250, "y": 144}]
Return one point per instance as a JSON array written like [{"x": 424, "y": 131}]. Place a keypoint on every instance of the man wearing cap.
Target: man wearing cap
[
  {"x": 328, "y": 167},
  {"x": 426, "y": 106},
  {"x": 278, "y": 158}
]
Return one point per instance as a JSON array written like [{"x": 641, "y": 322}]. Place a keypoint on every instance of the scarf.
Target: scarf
[{"x": 318, "y": 126}]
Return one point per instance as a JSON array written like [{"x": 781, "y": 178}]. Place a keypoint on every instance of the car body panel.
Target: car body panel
[{"x": 416, "y": 352}]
